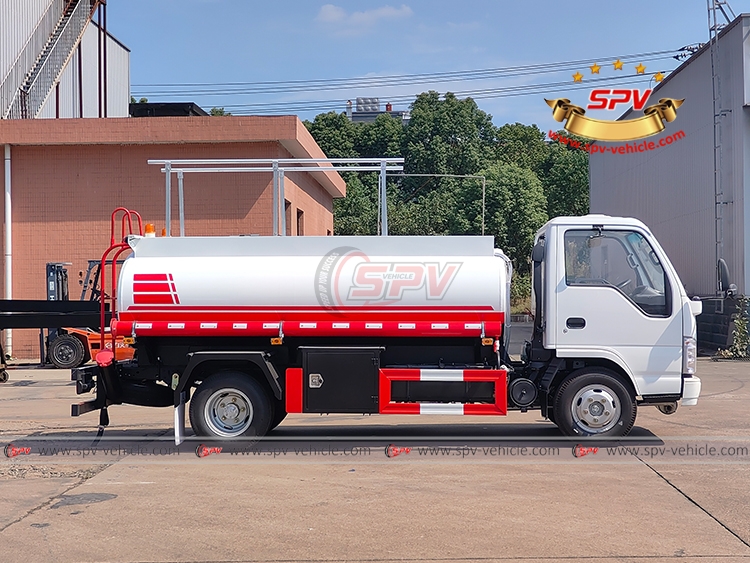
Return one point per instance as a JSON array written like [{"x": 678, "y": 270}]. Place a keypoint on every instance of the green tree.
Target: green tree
[
  {"x": 218, "y": 112},
  {"x": 515, "y": 209},
  {"x": 141, "y": 101},
  {"x": 523, "y": 145},
  {"x": 565, "y": 178},
  {"x": 334, "y": 133},
  {"x": 383, "y": 137},
  {"x": 357, "y": 213},
  {"x": 448, "y": 136},
  {"x": 528, "y": 178}
]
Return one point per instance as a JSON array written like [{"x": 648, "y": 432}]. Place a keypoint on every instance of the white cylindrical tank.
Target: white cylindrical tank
[{"x": 289, "y": 283}]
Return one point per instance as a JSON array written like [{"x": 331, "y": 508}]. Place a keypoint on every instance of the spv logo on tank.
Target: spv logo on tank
[{"x": 347, "y": 276}]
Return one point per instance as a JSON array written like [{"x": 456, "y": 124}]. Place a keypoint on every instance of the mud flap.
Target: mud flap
[{"x": 179, "y": 419}]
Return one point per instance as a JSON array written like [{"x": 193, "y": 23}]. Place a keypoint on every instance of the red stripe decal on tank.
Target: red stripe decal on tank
[
  {"x": 153, "y": 298},
  {"x": 152, "y": 287},
  {"x": 266, "y": 327},
  {"x": 151, "y": 277}
]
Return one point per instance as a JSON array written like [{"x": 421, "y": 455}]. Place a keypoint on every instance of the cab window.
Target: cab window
[{"x": 622, "y": 260}]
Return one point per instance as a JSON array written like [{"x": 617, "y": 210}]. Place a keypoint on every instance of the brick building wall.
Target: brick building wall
[{"x": 63, "y": 194}]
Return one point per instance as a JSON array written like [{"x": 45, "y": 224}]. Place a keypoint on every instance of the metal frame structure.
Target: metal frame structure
[{"x": 278, "y": 167}]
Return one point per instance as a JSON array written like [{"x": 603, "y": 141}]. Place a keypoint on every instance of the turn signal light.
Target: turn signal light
[
  {"x": 277, "y": 341},
  {"x": 150, "y": 230},
  {"x": 487, "y": 341}
]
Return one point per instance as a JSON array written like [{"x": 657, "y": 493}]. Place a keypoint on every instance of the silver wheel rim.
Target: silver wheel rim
[
  {"x": 228, "y": 412},
  {"x": 596, "y": 409}
]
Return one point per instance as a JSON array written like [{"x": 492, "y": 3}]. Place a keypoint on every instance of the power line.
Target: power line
[
  {"x": 552, "y": 88},
  {"x": 276, "y": 87}
]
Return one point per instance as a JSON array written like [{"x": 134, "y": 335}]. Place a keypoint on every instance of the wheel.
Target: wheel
[
  {"x": 551, "y": 415},
  {"x": 594, "y": 402},
  {"x": 279, "y": 414},
  {"x": 230, "y": 404},
  {"x": 3, "y": 376},
  {"x": 66, "y": 352}
]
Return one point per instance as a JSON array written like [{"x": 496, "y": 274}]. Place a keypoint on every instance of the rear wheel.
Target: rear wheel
[
  {"x": 67, "y": 352},
  {"x": 594, "y": 402},
  {"x": 230, "y": 404}
]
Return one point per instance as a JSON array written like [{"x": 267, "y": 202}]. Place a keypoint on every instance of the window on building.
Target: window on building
[
  {"x": 622, "y": 260},
  {"x": 288, "y": 217},
  {"x": 300, "y": 222}
]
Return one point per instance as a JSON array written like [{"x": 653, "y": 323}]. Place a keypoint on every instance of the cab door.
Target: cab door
[{"x": 614, "y": 300}]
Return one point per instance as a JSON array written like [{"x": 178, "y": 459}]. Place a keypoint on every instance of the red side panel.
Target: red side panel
[
  {"x": 168, "y": 319},
  {"x": 293, "y": 390}
]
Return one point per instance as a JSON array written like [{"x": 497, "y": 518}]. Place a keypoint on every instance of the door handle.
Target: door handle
[{"x": 575, "y": 322}]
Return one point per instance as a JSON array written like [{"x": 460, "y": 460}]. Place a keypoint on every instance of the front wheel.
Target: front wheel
[
  {"x": 594, "y": 402},
  {"x": 230, "y": 404}
]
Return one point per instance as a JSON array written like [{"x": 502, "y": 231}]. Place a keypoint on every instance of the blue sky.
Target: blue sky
[{"x": 249, "y": 41}]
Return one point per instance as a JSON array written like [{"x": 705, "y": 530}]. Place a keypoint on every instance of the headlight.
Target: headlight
[{"x": 689, "y": 355}]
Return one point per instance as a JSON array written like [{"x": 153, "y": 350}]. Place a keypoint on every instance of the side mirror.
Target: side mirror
[
  {"x": 537, "y": 253},
  {"x": 725, "y": 286}
]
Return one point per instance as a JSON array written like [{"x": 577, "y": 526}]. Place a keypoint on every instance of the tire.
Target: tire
[
  {"x": 230, "y": 404},
  {"x": 279, "y": 414},
  {"x": 3, "y": 376},
  {"x": 66, "y": 352},
  {"x": 551, "y": 415},
  {"x": 615, "y": 410}
]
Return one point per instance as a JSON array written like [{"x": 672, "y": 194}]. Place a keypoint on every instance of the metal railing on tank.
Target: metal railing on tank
[{"x": 118, "y": 248}]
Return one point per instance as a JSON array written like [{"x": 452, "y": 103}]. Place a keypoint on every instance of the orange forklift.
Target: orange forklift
[{"x": 71, "y": 347}]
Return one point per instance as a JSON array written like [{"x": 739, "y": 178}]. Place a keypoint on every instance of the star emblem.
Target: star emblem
[
  {"x": 658, "y": 77},
  {"x": 595, "y": 68},
  {"x": 640, "y": 69},
  {"x": 618, "y": 64},
  {"x": 577, "y": 77}
]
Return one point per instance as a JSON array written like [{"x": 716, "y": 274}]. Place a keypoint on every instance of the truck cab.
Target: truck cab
[{"x": 614, "y": 327}]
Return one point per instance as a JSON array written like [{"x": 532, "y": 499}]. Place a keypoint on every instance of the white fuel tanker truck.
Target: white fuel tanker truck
[{"x": 249, "y": 329}]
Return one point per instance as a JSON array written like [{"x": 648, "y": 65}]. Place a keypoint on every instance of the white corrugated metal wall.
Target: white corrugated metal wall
[
  {"x": 118, "y": 79},
  {"x": 671, "y": 189},
  {"x": 118, "y": 87}
]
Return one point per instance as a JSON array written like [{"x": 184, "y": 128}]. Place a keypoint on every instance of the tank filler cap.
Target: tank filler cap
[{"x": 105, "y": 358}]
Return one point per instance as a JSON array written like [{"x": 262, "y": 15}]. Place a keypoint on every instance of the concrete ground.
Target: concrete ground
[{"x": 475, "y": 496}]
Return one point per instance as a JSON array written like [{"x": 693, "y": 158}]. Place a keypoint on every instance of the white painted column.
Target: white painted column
[{"x": 8, "y": 249}]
